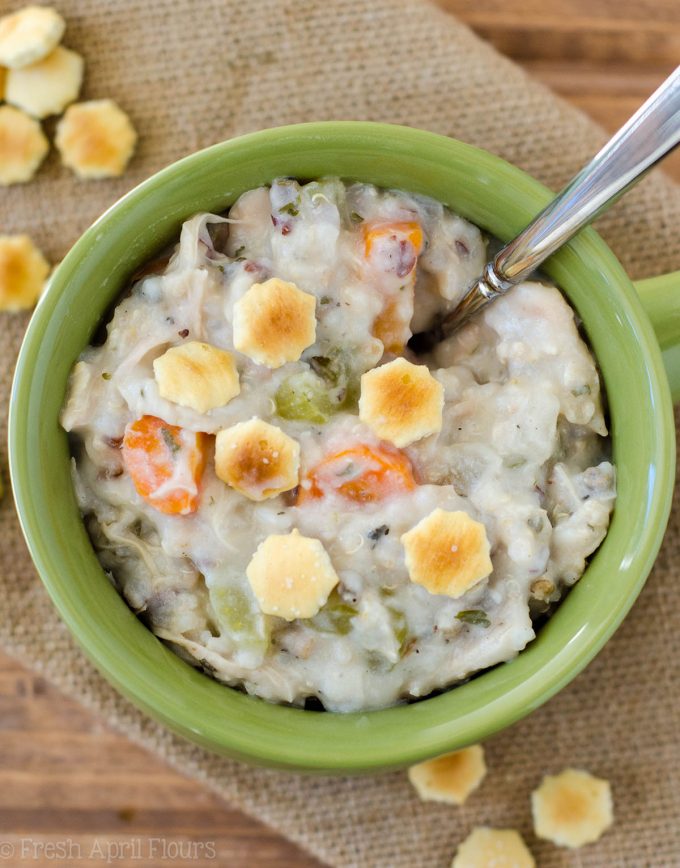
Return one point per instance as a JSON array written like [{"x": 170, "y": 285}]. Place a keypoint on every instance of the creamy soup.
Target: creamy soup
[{"x": 296, "y": 503}]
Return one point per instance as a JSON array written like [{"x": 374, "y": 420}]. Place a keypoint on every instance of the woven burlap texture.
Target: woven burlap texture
[{"x": 193, "y": 74}]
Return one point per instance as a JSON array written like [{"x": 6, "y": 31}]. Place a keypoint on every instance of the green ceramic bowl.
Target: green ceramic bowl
[{"x": 492, "y": 194}]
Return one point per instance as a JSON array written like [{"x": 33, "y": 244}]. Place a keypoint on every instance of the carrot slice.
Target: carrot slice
[
  {"x": 392, "y": 325},
  {"x": 409, "y": 231},
  {"x": 395, "y": 247},
  {"x": 165, "y": 464},
  {"x": 363, "y": 474}
]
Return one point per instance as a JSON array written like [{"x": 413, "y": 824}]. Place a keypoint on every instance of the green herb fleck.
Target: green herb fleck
[
  {"x": 581, "y": 390},
  {"x": 335, "y": 616},
  {"x": 239, "y": 251},
  {"x": 106, "y": 375},
  {"x": 474, "y": 616},
  {"x": 399, "y": 627},
  {"x": 355, "y": 217},
  {"x": 170, "y": 441},
  {"x": 514, "y": 463},
  {"x": 289, "y": 208},
  {"x": 325, "y": 299}
]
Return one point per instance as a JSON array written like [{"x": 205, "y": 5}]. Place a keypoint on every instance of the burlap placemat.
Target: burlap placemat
[{"x": 192, "y": 74}]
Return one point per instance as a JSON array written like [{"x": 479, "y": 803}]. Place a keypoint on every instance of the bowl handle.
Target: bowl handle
[{"x": 660, "y": 297}]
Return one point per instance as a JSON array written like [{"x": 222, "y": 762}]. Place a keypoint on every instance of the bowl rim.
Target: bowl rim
[{"x": 358, "y": 744}]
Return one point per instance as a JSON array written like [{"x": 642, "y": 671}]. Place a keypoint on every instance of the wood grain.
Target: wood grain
[
  {"x": 604, "y": 56},
  {"x": 67, "y": 781}
]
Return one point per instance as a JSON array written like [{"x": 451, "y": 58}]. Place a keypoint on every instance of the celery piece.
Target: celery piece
[
  {"x": 336, "y": 370},
  {"x": 399, "y": 628},
  {"x": 474, "y": 616},
  {"x": 314, "y": 395},
  {"x": 335, "y": 616},
  {"x": 304, "y": 397},
  {"x": 239, "y": 618}
]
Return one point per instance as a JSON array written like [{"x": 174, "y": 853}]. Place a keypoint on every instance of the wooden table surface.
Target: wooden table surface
[{"x": 63, "y": 776}]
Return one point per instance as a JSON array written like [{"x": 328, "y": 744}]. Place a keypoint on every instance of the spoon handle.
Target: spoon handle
[{"x": 649, "y": 135}]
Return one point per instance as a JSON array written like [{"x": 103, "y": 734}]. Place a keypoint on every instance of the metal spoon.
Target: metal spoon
[{"x": 652, "y": 132}]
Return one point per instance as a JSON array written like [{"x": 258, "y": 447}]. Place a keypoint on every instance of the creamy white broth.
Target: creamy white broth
[{"x": 523, "y": 449}]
